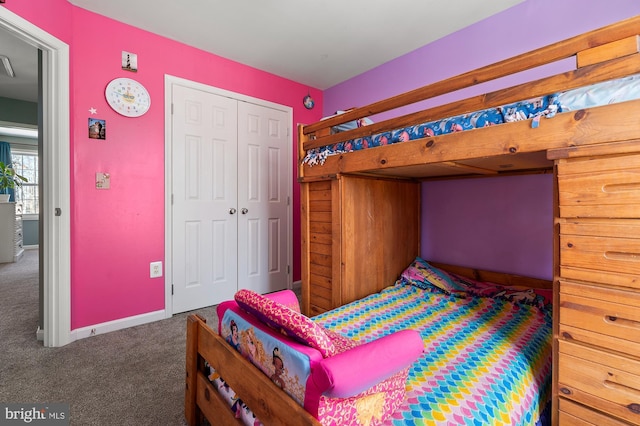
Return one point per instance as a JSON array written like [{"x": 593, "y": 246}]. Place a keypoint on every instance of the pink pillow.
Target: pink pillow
[
  {"x": 285, "y": 297},
  {"x": 286, "y": 320},
  {"x": 360, "y": 368}
]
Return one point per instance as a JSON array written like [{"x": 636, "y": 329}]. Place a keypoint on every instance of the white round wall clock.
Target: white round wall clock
[{"x": 127, "y": 97}]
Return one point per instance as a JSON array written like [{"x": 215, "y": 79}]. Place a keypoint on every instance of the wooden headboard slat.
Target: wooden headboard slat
[{"x": 501, "y": 278}]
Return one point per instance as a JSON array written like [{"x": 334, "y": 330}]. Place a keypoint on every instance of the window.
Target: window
[{"x": 25, "y": 163}]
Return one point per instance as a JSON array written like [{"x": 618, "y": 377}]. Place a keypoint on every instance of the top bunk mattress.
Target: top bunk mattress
[{"x": 608, "y": 92}]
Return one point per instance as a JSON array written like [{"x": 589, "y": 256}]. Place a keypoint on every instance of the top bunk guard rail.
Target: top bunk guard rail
[
  {"x": 525, "y": 61},
  {"x": 604, "y": 54},
  {"x": 590, "y": 74}
]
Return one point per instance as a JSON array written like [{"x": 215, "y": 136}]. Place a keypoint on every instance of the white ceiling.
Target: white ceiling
[
  {"x": 319, "y": 43},
  {"x": 24, "y": 60}
]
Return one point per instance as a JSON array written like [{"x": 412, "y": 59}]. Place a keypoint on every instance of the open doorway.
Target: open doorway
[
  {"x": 20, "y": 147},
  {"x": 53, "y": 134}
]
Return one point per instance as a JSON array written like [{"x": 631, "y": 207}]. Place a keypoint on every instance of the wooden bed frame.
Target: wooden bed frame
[
  {"x": 270, "y": 403},
  {"x": 334, "y": 232},
  {"x": 390, "y": 177}
]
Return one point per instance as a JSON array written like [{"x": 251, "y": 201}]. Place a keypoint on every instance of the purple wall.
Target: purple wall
[
  {"x": 505, "y": 223},
  {"x": 524, "y": 27}
]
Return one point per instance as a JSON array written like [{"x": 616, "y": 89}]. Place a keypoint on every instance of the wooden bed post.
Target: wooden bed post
[
  {"x": 555, "y": 409},
  {"x": 190, "y": 406},
  {"x": 302, "y": 138}
]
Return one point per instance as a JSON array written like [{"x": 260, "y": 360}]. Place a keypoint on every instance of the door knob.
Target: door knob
[
  {"x": 232, "y": 210},
  {"x": 244, "y": 210}
]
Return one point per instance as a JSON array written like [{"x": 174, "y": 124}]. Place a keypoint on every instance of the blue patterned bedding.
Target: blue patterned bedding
[{"x": 608, "y": 92}]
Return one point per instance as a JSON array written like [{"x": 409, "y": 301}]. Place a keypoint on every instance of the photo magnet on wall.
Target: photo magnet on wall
[
  {"x": 129, "y": 61},
  {"x": 97, "y": 128}
]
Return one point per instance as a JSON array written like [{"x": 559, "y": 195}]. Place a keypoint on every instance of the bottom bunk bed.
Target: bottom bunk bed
[{"x": 485, "y": 355}]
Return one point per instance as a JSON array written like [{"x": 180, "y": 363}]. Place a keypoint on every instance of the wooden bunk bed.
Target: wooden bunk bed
[
  {"x": 593, "y": 153},
  {"x": 370, "y": 200}
]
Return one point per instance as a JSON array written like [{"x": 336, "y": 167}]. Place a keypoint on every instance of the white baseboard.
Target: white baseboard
[
  {"x": 106, "y": 327},
  {"x": 40, "y": 334},
  {"x": 296, "y": 285}
]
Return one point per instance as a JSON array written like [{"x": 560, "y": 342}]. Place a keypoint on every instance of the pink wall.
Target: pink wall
[
  {"x": 456, "y": 214},
  {"x": 117, "y": 232},
  {"x": 52, "y": 16}
]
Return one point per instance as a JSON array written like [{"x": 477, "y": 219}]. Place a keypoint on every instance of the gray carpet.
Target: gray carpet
[{"x": 128, "y": 377}]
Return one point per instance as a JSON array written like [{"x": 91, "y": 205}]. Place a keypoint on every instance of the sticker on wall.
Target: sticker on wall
[
  {"x": 308, "y": 102},
  {"x": 103, "y": 180},
  {"x": 97, "y": 128},
  {"x": 129, "y": 61}
]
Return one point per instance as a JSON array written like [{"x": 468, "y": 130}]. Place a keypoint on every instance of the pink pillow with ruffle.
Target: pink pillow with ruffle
[{"x": 286, "y": 321}]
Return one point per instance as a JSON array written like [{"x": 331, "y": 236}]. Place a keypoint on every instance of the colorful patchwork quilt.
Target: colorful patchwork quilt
[{"x": 487, "y": 360}]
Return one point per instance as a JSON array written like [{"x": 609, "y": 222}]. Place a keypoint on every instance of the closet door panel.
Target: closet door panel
[
  {"x": 204, "y": 159},
  {"x": 263, "y": 179}
]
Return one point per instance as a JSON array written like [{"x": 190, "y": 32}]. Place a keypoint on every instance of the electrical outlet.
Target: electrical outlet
[{"x": 155, "y": 269}]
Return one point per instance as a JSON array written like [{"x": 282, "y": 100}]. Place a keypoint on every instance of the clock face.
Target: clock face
[{"x": 127, "y": 97}]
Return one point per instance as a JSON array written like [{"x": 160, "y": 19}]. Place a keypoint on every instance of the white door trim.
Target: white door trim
[
  {"x": 169, "y": 81},
  {"x": 56, "y": 172}
]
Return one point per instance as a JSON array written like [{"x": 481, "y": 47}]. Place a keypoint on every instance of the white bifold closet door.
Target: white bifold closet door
[{"x": 230, "y": 212}]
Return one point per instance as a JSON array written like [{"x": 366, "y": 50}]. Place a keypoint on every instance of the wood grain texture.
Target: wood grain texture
[
  {"x": 579, "y": 415},
  {"x": 606, "y": 52},
  {"x": 362, "y": 233},
  {"x": 495, "y": 277},
  {"x": 380, "y": 233},
  {"x": 598, "y": 338},
  {"x": 609, "y": 384}
]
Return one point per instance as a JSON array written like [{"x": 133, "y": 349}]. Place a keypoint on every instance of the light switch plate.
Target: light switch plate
[{"x": 103, "y": 180}]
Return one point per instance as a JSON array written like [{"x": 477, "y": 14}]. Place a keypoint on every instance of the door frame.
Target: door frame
[
  {"x": 169, "y": 82},
  {"x": 56, "y": 235}
]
